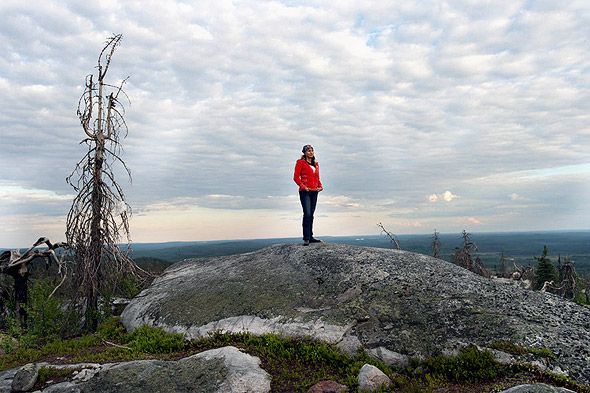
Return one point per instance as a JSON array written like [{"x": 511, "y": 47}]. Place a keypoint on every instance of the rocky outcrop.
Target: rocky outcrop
[
  {"x": 223, "y": 370},
  {"x": 393, "y": 303}
]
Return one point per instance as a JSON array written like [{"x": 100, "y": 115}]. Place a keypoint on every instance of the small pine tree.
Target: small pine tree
[{"x": 545, "y": 270}]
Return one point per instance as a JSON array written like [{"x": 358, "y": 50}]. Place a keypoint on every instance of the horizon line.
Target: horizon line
[{"x": 341, "y": 236}]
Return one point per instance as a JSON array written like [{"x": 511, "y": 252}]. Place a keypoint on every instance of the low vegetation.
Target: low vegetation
[
  {"x": 513, "y": 349},
  {"x": 294, "y": 364}
]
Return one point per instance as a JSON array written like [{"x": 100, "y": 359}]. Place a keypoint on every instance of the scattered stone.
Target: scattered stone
[
  {"x": 372, "y": 379},
  {"x": 390, "y": 358},
  {"x": 349, "y": 345},
  {"x": 87, "y": 373},
  {"x": 537, "y": 388},
  {"x": 501, "y": 356},
  {"x": 25, "y": 377},
  {"x": 328, "y": 387},
  {"x": 540, "y": 365}
]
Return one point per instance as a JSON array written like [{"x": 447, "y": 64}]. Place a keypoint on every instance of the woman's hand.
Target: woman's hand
[{"x": 320, "y": 189}]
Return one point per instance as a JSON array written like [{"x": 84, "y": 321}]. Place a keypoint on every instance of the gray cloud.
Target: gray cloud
[{"x": 401, "y": 102}]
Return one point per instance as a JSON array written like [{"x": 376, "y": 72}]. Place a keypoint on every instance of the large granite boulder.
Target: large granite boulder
[{"x": 387, "y": 301}]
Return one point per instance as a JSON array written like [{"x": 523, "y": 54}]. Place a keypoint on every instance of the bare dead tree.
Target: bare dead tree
[
  {"x": 99, "y": 215},
  {"x": 503, "y": 271},
  {"x": 522, "y": 273},
  {"x": 391, "y": 237},
  {"x": 567, "y": 275},
  {"x": 435, "y": 245},
  {"x": 480, "y": 269},
  {"x": 17, "y": 265},
  {"x": 463, "y": 256}
]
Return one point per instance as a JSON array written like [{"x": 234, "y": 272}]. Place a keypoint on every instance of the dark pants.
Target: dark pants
[{"x": 308, "y": 202}]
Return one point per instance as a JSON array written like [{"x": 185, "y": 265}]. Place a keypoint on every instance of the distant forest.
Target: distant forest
[{"x": 522, "y": 247}]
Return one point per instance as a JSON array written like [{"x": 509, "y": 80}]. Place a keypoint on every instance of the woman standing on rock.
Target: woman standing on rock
[{"x": 307, "y": 177}]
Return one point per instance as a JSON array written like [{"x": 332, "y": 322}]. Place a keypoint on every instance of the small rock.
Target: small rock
[
  {"x": 85, "y": 374},
  {"x": 539, "y": 365},
  {"x": 349, "y": 345},
  {"x": 537, "y": 388},
  {"x": 559, "y": 371},
  {"x": 501, "y": 356},
  {"x": 328, "y": 387},
  {"x": 390, "y": 358},
  {"x": 25, "y": 377},
  {"x": 371, "y": 378}
]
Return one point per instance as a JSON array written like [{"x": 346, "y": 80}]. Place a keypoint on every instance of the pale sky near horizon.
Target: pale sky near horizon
[{"x": 449, "y": 115}]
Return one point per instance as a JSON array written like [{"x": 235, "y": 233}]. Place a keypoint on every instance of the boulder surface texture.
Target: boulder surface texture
[
  {"x": 222, "y": 370},
  {"x": 393, "y": 300},
  {"x": 537, "y": 388}
]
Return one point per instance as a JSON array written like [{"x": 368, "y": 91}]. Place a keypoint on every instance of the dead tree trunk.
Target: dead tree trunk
[
  {"x": 99, "y": 214},
  {"x": 13, "y": 264},
  {"x": 435, "y": 245},
  {"x": 21, "y": 294}
]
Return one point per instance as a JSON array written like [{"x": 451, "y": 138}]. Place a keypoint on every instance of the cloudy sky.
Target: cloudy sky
[{"x": 424, "y": 115}]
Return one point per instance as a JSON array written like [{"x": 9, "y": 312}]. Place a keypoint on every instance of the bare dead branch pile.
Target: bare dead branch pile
[{"x": 16, "y": 265}]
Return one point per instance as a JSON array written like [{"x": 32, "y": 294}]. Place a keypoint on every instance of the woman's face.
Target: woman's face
[{"x": 309, "y": 153}]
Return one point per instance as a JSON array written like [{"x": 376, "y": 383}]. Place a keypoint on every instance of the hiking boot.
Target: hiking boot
[
  {"x": 306, "y": 242},
  {"x": 314, "y": 240}
]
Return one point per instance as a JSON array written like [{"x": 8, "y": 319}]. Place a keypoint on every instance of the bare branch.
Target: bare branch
[{"x": 391, "y": 236}]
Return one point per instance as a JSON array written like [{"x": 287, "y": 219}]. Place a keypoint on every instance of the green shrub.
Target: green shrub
[
  {"x": 508, "y": 347},
  {"x": 45, "y": 316},
  {"x": 542, "y": 352},
  {"x": 74, "y": 345},
  {"x": 470, "y": 365},
  {"x": 112, "y": 329},
  {"x": 155, "y": 340},
  {"x": 545, "y": 270},
  {"x": 128, "y": 287},
  {"x": 511, "y": 348},
  {"x": 8, "y": 344}
]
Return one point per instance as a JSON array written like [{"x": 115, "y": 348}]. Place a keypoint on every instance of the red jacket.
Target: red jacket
[{"x": 304, "y": 176}]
